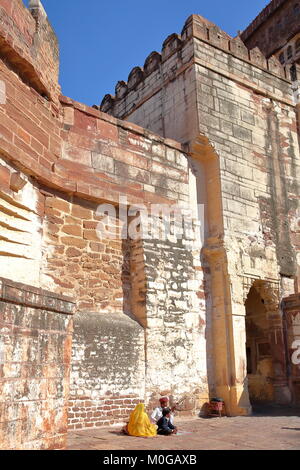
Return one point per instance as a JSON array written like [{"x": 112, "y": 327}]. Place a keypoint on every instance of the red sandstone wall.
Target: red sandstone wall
[
  {"x": 95, "y": 271},
  {"x": 83, "y": 152},
  {"x": 74, "y": 158},
  {"x": 35, "y": 353},
  {"x": 108, "y": 364},
  {"x": 29, "y": 45}
]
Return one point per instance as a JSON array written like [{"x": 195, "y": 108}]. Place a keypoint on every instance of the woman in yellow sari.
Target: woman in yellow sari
[{"x": 139, "y": 423}]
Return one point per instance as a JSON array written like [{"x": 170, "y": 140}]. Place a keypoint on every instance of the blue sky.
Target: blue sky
[{"x": 101, "y": 41}]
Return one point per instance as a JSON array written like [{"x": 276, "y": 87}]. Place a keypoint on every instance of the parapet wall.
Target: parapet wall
[
  {"x": 29, "y": 45},
  {"x": 262, "y": 17},
  {"x": 178, "y": 55},
  {"x": 274, "y": 26}
]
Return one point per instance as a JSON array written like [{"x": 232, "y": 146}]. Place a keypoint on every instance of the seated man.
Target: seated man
[
  {"x": 165, "y": 427},
  {"x": 157, "y": 413}
]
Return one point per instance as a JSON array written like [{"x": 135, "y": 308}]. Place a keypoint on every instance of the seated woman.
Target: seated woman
[
  {"x": 139, "y": 424},
  {"x": 165, "y": 427}
]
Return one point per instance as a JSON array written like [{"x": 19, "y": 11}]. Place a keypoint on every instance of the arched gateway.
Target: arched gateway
[{"x": 266, "y": 345}]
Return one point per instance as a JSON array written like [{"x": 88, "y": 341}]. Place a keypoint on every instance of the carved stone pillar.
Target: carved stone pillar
[{"x": 228, "y": 327}]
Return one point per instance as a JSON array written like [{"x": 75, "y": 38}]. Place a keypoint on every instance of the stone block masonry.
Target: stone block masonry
[
  {"x": 233, "y": 109},
  {"x": 273, "y": 27},
  {"x": 59, "y": 161},
  {"x": 79, "y": 263},
  {"x": 35, "y": 359},
  {"x": 21, "y": 221},
  {"x": 29, "y": 45},
  {"x": 176, "y": 322},
  {"x": 156, "y": 315},
  {"x": 110, "y": 278},
  {"x": 167, "y": 79},
  {"x": 108, "y": 369}
]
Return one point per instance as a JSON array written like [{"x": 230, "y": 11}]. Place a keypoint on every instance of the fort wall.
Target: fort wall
[
  {"x": 168, "y": 75},
  {"x": 157, "y": 315},
  {"x": 29, "y": 45},
  {"x": 60, "y": 160},
  {"x": 35, "y": 360},
  {"x": 273, "y": 27},
  {"x": 244, "y": 132}
]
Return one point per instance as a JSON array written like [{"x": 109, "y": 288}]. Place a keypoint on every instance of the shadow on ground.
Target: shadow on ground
[
  {"x": 270, "y": 428},
  {"x": 275, "y": 410}
]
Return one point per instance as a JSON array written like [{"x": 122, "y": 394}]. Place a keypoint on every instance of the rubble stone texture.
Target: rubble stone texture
[{"x": 145, "y": 317}]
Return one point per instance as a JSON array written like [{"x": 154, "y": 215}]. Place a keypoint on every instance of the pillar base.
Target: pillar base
[
  {"x": 236, "y": 400},
  {"x": 282, "y": 394}
]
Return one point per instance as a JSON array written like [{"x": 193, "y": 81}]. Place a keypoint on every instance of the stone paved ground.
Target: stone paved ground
[{"x": 272, "y": 430}]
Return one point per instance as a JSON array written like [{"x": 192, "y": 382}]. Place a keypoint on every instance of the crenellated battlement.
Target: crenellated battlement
[
  {"x": 162, "y": 231},
  {"x": 177, "y": 51}
]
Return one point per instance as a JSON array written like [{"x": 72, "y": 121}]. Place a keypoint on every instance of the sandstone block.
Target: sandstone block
[
  {"x": 75, "y": 242},
  {"x": 58, "y": 204},
  {"x": 81, "y": 212},
  {"x": 102, "y": 162},
  {"x": 91, "y": 235},
  {"x": 242, "y": 133},
  {"x": 78, "y": 155},
  {"x": 107, "y": 130},
  {"x": 74, "y": 230},
  {"x": 69, "y": 116},
  {"x": 4, "y": 176}
]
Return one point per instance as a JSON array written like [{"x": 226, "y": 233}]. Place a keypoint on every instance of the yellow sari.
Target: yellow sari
[{"x": 139, "y": 424}]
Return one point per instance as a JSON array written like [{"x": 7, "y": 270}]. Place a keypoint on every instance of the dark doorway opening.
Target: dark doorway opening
[{"x": 260, "y": 368}]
